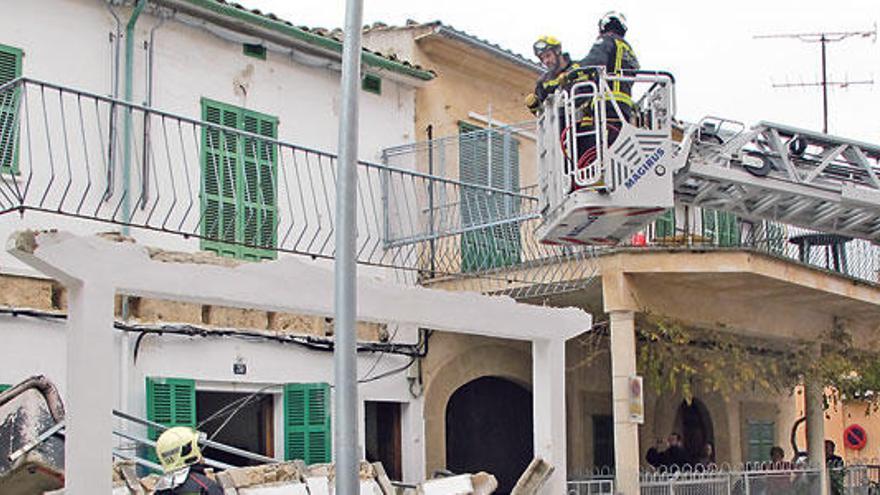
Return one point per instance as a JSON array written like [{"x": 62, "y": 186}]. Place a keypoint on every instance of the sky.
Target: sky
[{"x": 710, "y": 47}]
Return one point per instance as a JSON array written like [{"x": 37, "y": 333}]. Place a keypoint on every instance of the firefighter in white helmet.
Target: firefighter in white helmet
[{"x": 181, "y": 458}]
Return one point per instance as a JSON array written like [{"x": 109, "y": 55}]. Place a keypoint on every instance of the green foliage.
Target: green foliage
[{"x": 675, "y": 358}]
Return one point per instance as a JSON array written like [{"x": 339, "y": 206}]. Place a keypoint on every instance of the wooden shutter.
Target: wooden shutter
[
  {"x": 307, "y": 432},
  {"x": 4, "y": 387},
  {"x": 258, "y": 215},
  {"x": 239, "y": 183},
  {"x": 10, "y": 69},
  {"x": 505, "y": 175},
  {"x": 220, "y": 164},
  {"x": 722, "y": 227},
  {"x": 473, "y": 168},
  {"x": 171, "y": 402}
]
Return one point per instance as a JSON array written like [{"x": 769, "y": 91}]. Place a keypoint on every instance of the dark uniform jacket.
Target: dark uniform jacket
[
  {"x": 553, "y": 79},
  {"x": 196, "y": 483},
  {"x": 613, "y": 52}
]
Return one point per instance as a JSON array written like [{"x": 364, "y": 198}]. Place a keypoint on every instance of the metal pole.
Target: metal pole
[
  {"x": 346, "y": 450},
  {"x": 430, "y": 130},
  {"x": 823, "y": 40}
]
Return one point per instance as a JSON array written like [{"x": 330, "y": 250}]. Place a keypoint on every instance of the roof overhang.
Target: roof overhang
[{"x": 281, "y": 33}]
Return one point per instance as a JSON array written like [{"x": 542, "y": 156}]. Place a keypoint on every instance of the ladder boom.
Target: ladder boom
[{"x": 599, "y": 186}]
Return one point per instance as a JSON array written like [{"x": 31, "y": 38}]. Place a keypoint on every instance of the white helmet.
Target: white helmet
[{"x": 612, "y": 16}]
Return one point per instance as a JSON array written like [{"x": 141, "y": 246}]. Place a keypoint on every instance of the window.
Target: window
[
  {"x": 307, "y": 433},
  {"x": 761, "y": 438},
  {"x": 498, "y": 245},
  {"x": 239, "y": 183},
  {"x": 239, "y": 419},
  {"x": 372, "y": 84},
  {"x": 256, "y": 51},
  {"x": 10, "y": 69},
  {"x": 722, "y": 227}
]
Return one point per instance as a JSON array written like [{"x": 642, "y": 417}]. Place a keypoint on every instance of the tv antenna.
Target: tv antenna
[{"x": 824, "y": 38}]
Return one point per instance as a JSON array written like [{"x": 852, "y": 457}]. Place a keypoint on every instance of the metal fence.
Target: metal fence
[
  {"x": 228, "y": 184},
  {"x": 459, "y": 211},
  {"x": 855, "y": 478},
  {"x": 720, "y": 482},
  {"x": 590, "y": 487}
]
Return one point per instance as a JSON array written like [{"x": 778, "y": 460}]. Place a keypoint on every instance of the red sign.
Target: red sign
[{"x": 855, "y": 437}]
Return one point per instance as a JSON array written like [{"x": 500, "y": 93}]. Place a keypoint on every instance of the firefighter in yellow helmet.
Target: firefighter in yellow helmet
[
  {"x": 181, "y": 458},
  {"x": 549, "y": 50}
]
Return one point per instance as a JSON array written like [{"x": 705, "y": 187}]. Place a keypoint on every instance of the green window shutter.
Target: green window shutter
[
  {"x": 4, "y": 387},
  {"x": 171, "y": 402},
  {"x": 664, "y": 226},
  {"x": 258, "y": 216},
  {"x": 722, "y": 227},
  {"x": 239, "y": 183},
  {"x": 10, "y": 69},
  {"x": 761, "y": 438},
  {"x": 307, "y": 433},
  {"x": 500, "y": 245}
]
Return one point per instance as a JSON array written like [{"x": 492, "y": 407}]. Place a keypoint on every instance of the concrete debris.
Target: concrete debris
[{"x": 533, "y": 478}]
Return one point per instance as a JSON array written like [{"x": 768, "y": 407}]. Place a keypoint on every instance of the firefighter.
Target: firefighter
[
  {"x": 178, "y": 452},
  {"x": 558, "y": 64},
  {"x": 617, "y": 56}
]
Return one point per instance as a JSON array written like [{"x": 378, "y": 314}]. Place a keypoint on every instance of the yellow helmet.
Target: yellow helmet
[
  {"x": 545, "y": 43},
  {"x": 177, "y": 448}
]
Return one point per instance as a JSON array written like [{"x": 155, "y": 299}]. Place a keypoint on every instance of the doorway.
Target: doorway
[
  {"x": 489, "y": 428},
  {"x": 695, "y": 424},
  {"x": 382, "y": 435}
]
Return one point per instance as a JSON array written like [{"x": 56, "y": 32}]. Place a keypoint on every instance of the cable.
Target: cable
[
  {"x": 388, "y": 373},
  {"x": 238, "y": 408},
  {"x": 381, "y": 355}
]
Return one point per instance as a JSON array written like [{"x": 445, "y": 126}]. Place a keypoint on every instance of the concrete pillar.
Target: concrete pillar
[
  {"x": 548, "y": 396},
  {"x": 91, "y": 392},
  {"x": 626, "y": 432},
  {"x": 816, "y": 430}
]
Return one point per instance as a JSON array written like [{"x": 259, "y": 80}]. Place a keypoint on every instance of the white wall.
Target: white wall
[
  {"x": 33, "y": 346},
  {"x": 192, "y": 60}
]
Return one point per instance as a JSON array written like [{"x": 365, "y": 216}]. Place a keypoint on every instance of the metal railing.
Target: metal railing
[
  {"x": 710, "y": 229},
  {"x": 476, "y": 233},
  {"x": 229, "y": 182},
  {"x": 450, "y": 211},
  {"x": 859, "y": 477},
  {"x": 590, "y": 487}
]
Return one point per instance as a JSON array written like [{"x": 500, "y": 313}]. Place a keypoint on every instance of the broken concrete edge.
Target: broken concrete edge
[
  {"x": 533, "y": 478},
  {"x": 25, "y": 243}
]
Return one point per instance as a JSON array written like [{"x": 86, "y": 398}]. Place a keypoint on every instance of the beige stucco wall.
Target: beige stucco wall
[{"x": 468, "y": 80}]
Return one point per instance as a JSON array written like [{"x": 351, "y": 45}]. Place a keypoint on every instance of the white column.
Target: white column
[
  {"x": 816, "y": 430},
  {"x": 91, "y": 392},
  {"x": 548, "y": 396},
  {"x": 626, "y": 432}
]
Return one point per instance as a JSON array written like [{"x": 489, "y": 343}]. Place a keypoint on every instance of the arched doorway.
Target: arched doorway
[
  {"x": 489, "y": 428},
  {"x": 695, "y": 424}
]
